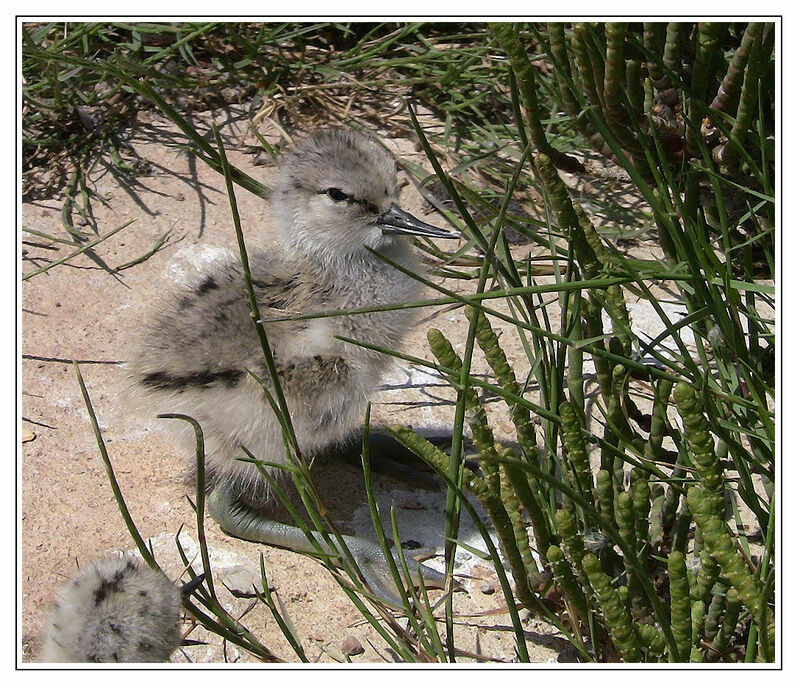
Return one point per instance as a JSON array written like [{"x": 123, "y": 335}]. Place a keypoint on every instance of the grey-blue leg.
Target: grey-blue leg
[{"x": 244, "y": 522}]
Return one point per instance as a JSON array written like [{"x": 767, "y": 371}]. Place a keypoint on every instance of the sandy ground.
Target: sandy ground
[{"x": 82, "y": 311}]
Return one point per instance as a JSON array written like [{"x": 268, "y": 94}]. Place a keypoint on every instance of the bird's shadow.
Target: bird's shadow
[{"x": 420, "y": 513}]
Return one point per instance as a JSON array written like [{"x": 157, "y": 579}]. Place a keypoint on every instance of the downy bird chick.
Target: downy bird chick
[
  {"x": 335, "y": 198},
  {"x": 115, "y": 610}
]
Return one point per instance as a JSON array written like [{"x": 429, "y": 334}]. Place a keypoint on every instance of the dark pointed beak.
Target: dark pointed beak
[{"x": 397, "y": 221}]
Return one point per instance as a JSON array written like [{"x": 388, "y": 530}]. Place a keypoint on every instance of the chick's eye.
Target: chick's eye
[{"x": 337, "y": 195}]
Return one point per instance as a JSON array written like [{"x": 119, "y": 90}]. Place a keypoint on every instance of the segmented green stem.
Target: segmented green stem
[
  {"x": 566, "y": 580},
  {"x": 647, "y": 104},
  {"x": 723, "y": 548},
  {"x": 572, "y": 544},
  {"x": 672, "y": 48},
  {"x": 701, "y": 444},
  {"x": 658, "y": 420},
  {"x": 624, "y": 595},
  {"x": 513, "y": 508},
  {"x": 593, "y": 37},
  {"x": 585, "y": 66},
  {"x": 542, "y": 531},
  {"x": 558, "y": 49},
  {"x": 623, "y": 511},
  {"x": 655, "y": 528},
  {"x": 613, "y": 88},
  {"x": 653, "y": 38},
  {"x": 716, "y": 608},
  {"x": 748, "y": 102},
  {"x": 575, "y": 372},
  {"x": 634, "y": 86},
  {"x": 587, "y": 82},
  {"x": 652, "y": 641},
  {"x": 733, "y": 608},
  {"x": 496, "y": 357},
  {"x": 706, "y": 575},
  {"x": 507, "y": 537},
  {"x": 561, "y": 203},
  {"x": 431, "y": 454},
  {"x": 602, "y": 256},
  {"x": 475, "y": 414},
  {"x": 680, "y": 605},
  {"x": 575, "y": 445},
  {"x": 605, "y": 494},
  {"x": 730, "y": 89},
  {"x": 620, "y": 317},
  {"x": 507, "y": 36},
  {"x": 617, "y": 617},
  {"x": 698, "y": 614},
  {"x": 618, "y": 472}
]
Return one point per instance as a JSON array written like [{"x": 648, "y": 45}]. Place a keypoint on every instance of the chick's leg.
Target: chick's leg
[{"x": 244, "y": 522}]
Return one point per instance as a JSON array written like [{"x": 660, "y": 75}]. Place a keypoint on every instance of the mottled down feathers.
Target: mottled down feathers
[
  {"x": 199, "y": 352},
  {"x": 115, "y": 610}
]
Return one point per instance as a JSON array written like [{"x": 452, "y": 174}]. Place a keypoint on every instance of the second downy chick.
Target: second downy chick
[{"x": 117, "y": 609}]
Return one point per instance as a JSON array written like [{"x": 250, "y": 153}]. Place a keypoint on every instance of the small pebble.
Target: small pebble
[
  {"x": 28, "y": 435},
  {"x": 352, "y": 647},
  {"x": 488, "y": 588}
]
